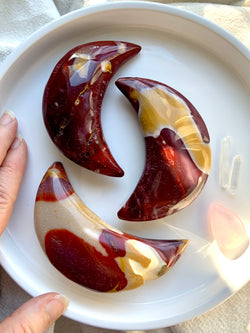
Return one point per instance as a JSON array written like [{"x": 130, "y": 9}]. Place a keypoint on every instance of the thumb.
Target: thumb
[{"x": 36, "y": 315}]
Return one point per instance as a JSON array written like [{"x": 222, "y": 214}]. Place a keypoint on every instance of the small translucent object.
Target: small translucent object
[
  {"x": 234, "y": 175},
  {"x": 224, "y": 162},
  {"x": 228, "y": 231}
]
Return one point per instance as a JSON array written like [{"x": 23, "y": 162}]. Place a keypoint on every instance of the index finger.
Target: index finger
[
  {"x": 8, "y": 129},
  {"x": 11, "y": 174}
]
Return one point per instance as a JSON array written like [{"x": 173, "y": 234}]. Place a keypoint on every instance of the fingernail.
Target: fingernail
[
  {"x": 17, "y": 141},
  {"x": 56, "y": 306},
  {"x": 7, "y": 117}
]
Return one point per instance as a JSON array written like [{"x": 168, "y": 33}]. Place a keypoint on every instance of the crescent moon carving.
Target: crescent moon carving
[
  {"x": 73, "y": 98},
  {"x": 89, "y": 251},
  {"x": 178, "y": 154}
]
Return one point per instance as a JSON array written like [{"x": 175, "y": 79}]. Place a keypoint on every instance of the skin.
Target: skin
[{"x": 36, "y": 315}]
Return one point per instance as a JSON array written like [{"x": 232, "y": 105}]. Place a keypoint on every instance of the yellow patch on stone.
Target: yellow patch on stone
[
  {"x": 160, "y": 108},
  {"x": 106, "y": 66},
  {"x": 80, "y": 64}
]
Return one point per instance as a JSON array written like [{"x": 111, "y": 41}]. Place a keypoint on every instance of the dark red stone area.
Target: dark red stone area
[
  {"x": 83, "y": 264},
  {"x": 170, "y": 175}
]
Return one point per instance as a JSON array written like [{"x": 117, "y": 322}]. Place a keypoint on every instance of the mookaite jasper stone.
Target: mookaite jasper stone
[
  {"x": 178, "y": 155},
  {"x": 73, "y": 98},
  {"x": 89, "y": 251}
]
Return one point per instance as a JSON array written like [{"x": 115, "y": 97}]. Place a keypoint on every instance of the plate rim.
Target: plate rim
[{"x": 81, "y": 12}]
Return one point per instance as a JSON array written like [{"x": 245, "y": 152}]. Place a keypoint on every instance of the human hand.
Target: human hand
[{"x": 36, "y": 315}]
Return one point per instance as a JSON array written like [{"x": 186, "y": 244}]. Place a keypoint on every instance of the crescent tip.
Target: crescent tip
[{"x": 55, "y": 184}]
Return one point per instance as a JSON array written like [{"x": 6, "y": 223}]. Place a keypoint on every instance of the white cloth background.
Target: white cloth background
[{"x": 20, "y": 18}]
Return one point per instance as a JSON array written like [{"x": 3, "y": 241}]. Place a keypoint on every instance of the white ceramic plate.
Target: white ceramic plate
[{"x": 208, "y": 66}]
